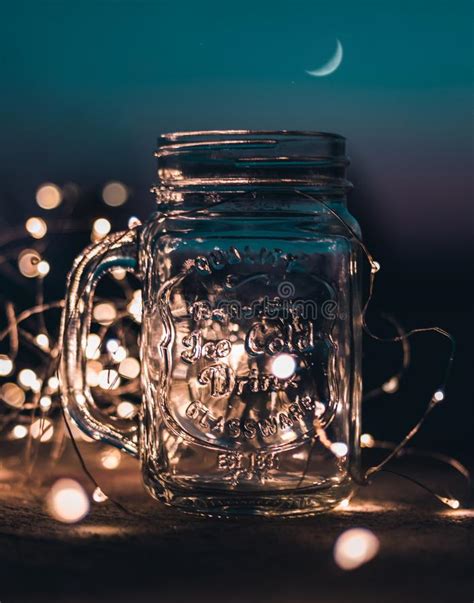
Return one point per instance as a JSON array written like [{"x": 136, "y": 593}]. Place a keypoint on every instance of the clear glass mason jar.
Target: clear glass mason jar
[{"x": 251, "y": 329}]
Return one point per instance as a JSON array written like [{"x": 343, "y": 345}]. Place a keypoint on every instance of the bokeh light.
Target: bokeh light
[
  {"x": 283, "y": 366},
  {"x": 109, "y": 379},
  {"x": 133, "y": 222},
  {"x": 114, "y": 194},
  {"x": 28, "y": 379},
  {"x": 98, "y": 496},
  {"x": 104, "y": 313},
  {"x": 126, "y": 410},
  {"x": 93, "y": 346},
  {"x": 100, "y": 228},
  {"x": 6, "y": 365},
  {"x": 36, "y": 227},
  {"x": 355, "y": 547},
  {"x": 93, "y": 370},
  {"x": 28, "y": 261},
  {"x": 43, "y": 268},
  {"x": 129, "y": 368},
  {"x": 367, "y": 440},
  {"x": 391, "y": 386},
  {"x": 135, "y": 306},
  {"x": 12, "y": 394},
  {"x": 42, "y": 430},
  {"x": 110, "y": 458},
  {"x": 68, "y": 501},
  {"x": 339, "y": 449},
  {"x": 49, "y": 196},
  {"x": 19, "y": 432},
  {"x": 42, "y": 340},
  {"x": 45, "y": 403}
]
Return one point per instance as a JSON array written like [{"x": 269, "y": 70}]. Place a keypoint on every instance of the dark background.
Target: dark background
[{"x": 86, "y": 87}]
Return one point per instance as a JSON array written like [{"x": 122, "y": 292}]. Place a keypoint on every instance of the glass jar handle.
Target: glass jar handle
[{"x": 118, "y": 250}]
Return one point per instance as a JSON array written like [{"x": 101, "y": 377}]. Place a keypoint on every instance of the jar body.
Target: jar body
[{"x": 251, "y": 351}]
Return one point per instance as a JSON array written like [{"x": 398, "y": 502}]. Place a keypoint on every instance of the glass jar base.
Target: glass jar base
[{"x": 228, "y": 504}]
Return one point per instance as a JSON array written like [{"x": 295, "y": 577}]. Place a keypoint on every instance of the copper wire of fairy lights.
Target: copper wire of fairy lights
[{"x": 41, "y": 392}]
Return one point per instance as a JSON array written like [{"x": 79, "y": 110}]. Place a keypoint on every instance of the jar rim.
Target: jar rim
[
  {"x": 219, "y": 136},
  {"x": 231, "y": 159}
]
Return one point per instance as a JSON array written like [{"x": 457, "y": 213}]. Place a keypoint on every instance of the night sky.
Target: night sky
[{"x": 88, "y": 86}]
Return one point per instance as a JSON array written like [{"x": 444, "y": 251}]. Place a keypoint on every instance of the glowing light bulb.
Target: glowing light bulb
[
  {"x": 119, "y": 354},
  {"x": 100, "y": 228},
  {"x": 339, "y": 449},
  {"x": 68, "y": 501},
  {"x": 117, "y": 351},
  {"x": 105, "y": 313},
  {"x": 49, "y": 196},
  {"x": 12, "y": 395},
  {"x": 112, "y": 345},
  {"x": 53, "y": 384},
  {"x": 391, "y": 386},
  {"x": 98, "y": 496},
  {"x": 133, "y": 222},
  {"x": 126, "y": 410},
  {"x": 374, "y": 266},
  {"x": 283, "y": 366},
  {"x": 28, "y": 379},
  {"x": 367, "y": 440},
  {"x": 450, "y": 502},
  {"x": 36, "y": 227},
  {"x": 355, "y": 547},
  {"x": 438, "y": 396},
  {"x": 114, "y": 194},
  {"x": 45, "y": 403},
  {"x": 42, "y": 340},
  {"x": 110, "y": 458},
  {"x": 6, "y": 365},
  {"x": 129, "y": 368},
  {"x": 43, "y": 268},
  {"x": 19, "y": 432}
]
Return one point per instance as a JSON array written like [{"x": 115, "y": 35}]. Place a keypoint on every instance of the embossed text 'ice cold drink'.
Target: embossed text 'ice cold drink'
[{"x": 251, "y": 328}]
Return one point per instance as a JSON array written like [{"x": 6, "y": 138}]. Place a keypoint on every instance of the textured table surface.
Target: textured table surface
[{"x": 152, "y": 553}]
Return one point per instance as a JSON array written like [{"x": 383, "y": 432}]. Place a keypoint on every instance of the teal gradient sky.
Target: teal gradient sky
[{"x": 87, "y": 86}]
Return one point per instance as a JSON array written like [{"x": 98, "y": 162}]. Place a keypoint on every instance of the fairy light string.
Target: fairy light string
[
  {"x": 46, "y": 368},
  {"x": 51, "y": 354}
]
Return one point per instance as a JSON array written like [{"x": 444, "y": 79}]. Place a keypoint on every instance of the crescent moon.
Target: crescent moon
[{"x": 331, "y": 65}]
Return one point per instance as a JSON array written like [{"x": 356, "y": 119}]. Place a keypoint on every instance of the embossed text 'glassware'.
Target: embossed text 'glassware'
[{"x": 251, "y": 329}]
